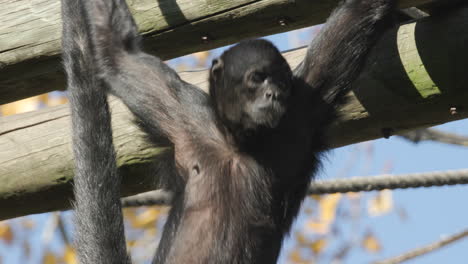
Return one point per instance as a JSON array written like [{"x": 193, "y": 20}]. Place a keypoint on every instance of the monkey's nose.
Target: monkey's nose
[{"x": 270, "y": 95}]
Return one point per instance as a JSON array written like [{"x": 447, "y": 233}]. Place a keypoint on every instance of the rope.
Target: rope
[
  {"x": 157, "y": 197},
  {"x": 355, "y": 184},
  {"x": 380, "y": 182}
]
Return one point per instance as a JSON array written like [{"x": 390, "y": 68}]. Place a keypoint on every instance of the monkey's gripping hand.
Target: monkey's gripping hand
[
  {"x": 165, "y": 105},
  {"x": 335, "y": 57}
]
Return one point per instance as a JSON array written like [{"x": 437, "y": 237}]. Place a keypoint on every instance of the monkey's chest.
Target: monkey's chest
[{"x": 291, "y": 153}]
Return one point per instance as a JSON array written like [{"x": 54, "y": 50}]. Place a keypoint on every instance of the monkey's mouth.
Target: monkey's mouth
[{"x": 269, "y": 115}]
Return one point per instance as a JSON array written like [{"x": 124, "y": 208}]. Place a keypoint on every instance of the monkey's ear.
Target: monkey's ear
[{"x": 217, "y": 67}]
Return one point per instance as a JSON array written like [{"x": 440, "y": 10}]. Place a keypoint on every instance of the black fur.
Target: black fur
[{"x": 245, "y": 155}]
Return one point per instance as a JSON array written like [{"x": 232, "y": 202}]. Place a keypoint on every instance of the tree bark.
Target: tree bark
[
  {"x": 415, "y": 77},
  {"x": 31, "y": 31}
]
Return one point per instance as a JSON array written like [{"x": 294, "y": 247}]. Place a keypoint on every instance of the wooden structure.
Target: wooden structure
[{"x": 415, "y": 77}]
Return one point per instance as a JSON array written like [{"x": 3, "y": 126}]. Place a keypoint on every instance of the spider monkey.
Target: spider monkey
[{"x": 243, "y": 155}]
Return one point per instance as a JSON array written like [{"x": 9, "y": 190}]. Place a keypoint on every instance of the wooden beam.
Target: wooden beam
[
  {"x": 31, "y": 31},
  {"x": 35, "y": 151}
]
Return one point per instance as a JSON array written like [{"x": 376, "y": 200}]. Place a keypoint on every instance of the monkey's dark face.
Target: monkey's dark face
[
  {"x": 250, "y": 84},
  {"x": 262, "y": 92}
]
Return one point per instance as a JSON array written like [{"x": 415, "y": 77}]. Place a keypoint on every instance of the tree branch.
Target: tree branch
[
  {"x": 427, "y": 134},
  {"x": 424, "y": 250}
]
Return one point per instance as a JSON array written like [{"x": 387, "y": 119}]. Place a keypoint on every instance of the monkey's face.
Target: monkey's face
[
  {"x": 251, "y": 84},
  {"x": 262, "y": 95}
]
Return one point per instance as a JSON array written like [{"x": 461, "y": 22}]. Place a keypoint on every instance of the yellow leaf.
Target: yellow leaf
[
  {"x": 69, "y": 255},
  {"x": 151, "y": 231},
  {"x": 381, "y": 204},
  {"x": 182, "y": 67},
  {"x": 129, "y": 212},
  {"x": 201, "y": 57},
  {"x": 370, "y": 243},
  {"x": 131, "y": 243},
  {"x": 148, "y": 218},
  {"x": 327, "y": 213},
  {"x": 296, "y": 257},
  {"x": 43, "y": 98},
  {"x": 315, "y": 197},
  {"x": 328, "y": 207},
  {"x": 353, "y": 195},
  {"x": 318, "y": 227},
  {"x": 28, "y": 223},
  {"x": 301, "y": 239},
  {"x": 21, "y": 106},
  {"x": 49, "y": 258},
  {"x": 6, "y": 233},
  {"x": 56, "y": 100},
  {"x": 318, "y": 245},
  {"x": 130, "y": 215},
  {"x": 308, "y": 211}
]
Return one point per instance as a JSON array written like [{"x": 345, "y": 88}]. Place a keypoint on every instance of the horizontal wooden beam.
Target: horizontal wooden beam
[
  {"x": 31, "y": 31},
  {"x": 391, "y": 96}
]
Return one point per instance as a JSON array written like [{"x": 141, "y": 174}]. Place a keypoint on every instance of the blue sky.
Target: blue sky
[{"x": 432, "y": 212}]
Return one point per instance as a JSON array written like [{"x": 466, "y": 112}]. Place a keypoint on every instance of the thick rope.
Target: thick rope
[
  {"x": 380, "y": 182},
  {"x": 355, "y": 184}
]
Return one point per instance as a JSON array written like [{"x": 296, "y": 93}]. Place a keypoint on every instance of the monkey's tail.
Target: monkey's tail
[{"x": 98, "y": 217}]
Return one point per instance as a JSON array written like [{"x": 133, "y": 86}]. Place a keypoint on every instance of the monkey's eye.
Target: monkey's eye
[{"x": 257, "y": 77}]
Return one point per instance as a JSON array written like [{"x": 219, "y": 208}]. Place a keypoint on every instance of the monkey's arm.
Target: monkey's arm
[
  {"x": 98, "y": 218},
  {"x": 165, "y": 105},
  {"x": 335, "y": 57}
]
